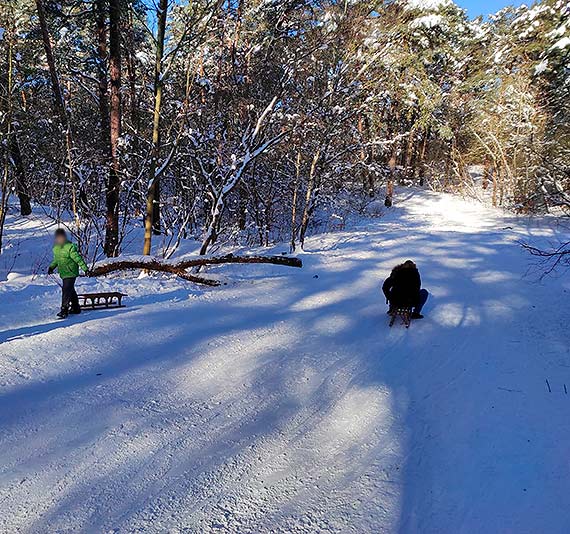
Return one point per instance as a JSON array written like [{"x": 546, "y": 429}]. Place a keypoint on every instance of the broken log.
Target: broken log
[{"x": 179, "y": 268}]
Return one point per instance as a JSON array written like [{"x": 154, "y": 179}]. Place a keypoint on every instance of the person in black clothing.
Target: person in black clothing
[{"x": 403, "y": 289}]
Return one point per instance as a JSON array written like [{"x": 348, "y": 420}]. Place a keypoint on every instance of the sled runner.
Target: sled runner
[
  {"x": 404, "y": 313},
  {"x": 94, "y": 301}
]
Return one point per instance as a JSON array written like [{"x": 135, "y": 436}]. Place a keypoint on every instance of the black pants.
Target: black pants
[
  {"x": 423, "y": 298},
  {"x": 68, "y": 295}
]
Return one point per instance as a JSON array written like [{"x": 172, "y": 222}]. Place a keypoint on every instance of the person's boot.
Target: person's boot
[
  {"x": 75, "y": 310},
  {"x": 63, "y": 313},
  {"x": 416, "y": 315}
]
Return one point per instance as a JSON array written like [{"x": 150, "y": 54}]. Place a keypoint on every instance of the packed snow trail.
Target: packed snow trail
[{"x": 283, "y": 402}]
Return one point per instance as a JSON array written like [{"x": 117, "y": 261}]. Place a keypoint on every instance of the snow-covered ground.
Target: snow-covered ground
[{"x": 283, "y": 403}]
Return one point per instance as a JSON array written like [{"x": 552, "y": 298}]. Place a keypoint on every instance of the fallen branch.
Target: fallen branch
[{"x": 179, "y": 268}]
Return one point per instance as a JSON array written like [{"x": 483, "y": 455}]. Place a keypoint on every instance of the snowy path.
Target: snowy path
[{"x": 283, "y": 403}]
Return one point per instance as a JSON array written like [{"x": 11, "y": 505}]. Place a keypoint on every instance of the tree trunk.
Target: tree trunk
[
  {"x": 494, "y": 176},
  {"x": 134, "y": 101},
  {"x": 55, "y": 85},
  {"x": 294, "y": 201},
  {"x": 409, "y": 153},
  {"x": 4, "y": 189},
  {"x": 152, "y": 221},
  {"x": 242, "y": 208},
  {"x": 501, "y": 179},
  {"x": 156, "y": 209},
  {"x": 4, "y": 192},
  {"x": 310, "y": 199},
  {"x": 365, "y": 159},
  {"x": 11, "y": 146},
  {"x": 20, "y": 175},
  {"x": 59, "y": 102},
  {"x": 422, "y": 165},
  {"x": 112, "y": 196},
  {"x": 103, "y": 82},
  {"x": 131, "y": 71},
  {"x": 389, "y": 200}
]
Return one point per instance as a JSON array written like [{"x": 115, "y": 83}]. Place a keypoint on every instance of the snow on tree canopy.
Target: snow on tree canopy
[
  {"x": 558, "y": 32},
  {"x": 450, "y": 89},
  {"x": 561, "y": 44},
  {"x": 541, "y": 67},
  {"x": 427, "y": 21},
  {"x": 426, "y": 5}
]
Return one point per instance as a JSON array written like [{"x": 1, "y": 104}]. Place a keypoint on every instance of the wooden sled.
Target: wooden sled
[
  {"x": 96, "y": 301},
  {"x": 404, "y": 313}
]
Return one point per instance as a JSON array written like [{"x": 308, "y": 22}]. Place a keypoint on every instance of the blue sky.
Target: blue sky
[{"x": 485, "y": 7}]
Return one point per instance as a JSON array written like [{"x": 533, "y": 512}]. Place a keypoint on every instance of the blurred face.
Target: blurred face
[{"x": 60, "y": 240}]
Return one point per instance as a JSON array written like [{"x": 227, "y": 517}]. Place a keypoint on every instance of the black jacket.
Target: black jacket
[{"x": 402, "y": 287}]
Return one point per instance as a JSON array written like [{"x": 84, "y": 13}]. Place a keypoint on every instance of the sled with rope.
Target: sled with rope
[
  {"x": 104, "y": 300},
  {"x": 95, "y": 301}
]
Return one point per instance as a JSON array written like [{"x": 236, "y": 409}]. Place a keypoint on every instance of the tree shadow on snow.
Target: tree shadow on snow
[
  {"x": 34, "y": 330},
  {"x": 249, "y": 412}
]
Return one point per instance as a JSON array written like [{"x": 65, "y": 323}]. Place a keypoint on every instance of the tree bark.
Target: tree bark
[
  {"x": 422, "y": 165},
  {"x": 55, "y": 85},
  {"x": 131, "y": 70},
  {"x": 152, "y": 221},
  {"x": 20, "y": 176},
  {"x": 494, "y": 177},
  {"x": 389, "y": 200},
  {"x": 179, "y": 268},
  {"x": 310, "y": 198},
  {"x": 112, "y": 195},
  {"x": 294, "y": 201},
  {"x": 4, "y": 189},
  {"x": 59, "y": 102},
  {"x": 103, "y": 82}
]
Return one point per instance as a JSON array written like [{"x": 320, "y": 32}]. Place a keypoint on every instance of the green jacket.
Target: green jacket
[{"x": 67, "y": 260}]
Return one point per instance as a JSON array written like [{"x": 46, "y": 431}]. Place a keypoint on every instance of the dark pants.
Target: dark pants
[
  {"x": 68, "y": 295},
  {"x": 423, "y": 298}
]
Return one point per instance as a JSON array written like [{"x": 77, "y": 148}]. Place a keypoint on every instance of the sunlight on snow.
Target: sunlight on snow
[
  {"x": 341, "y": 453},
  {"x": 456, "y": 314},
  {"x": 332, "y": 324},
  {"x": 245, "y": 351},
  {"x": 491, "y": 277},
  {"x": 329, "y": 297}
]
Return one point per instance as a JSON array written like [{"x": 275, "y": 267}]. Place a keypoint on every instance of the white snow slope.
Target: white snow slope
[{"x": 283, "y": 403}]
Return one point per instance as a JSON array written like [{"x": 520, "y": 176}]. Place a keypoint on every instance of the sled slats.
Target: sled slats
[
  {"x": 93, "y": 301},
  {"x": 404, "y": 313}
]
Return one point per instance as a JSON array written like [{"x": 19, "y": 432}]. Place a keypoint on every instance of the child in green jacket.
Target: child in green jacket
[{"x": 67, "y": 261}]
